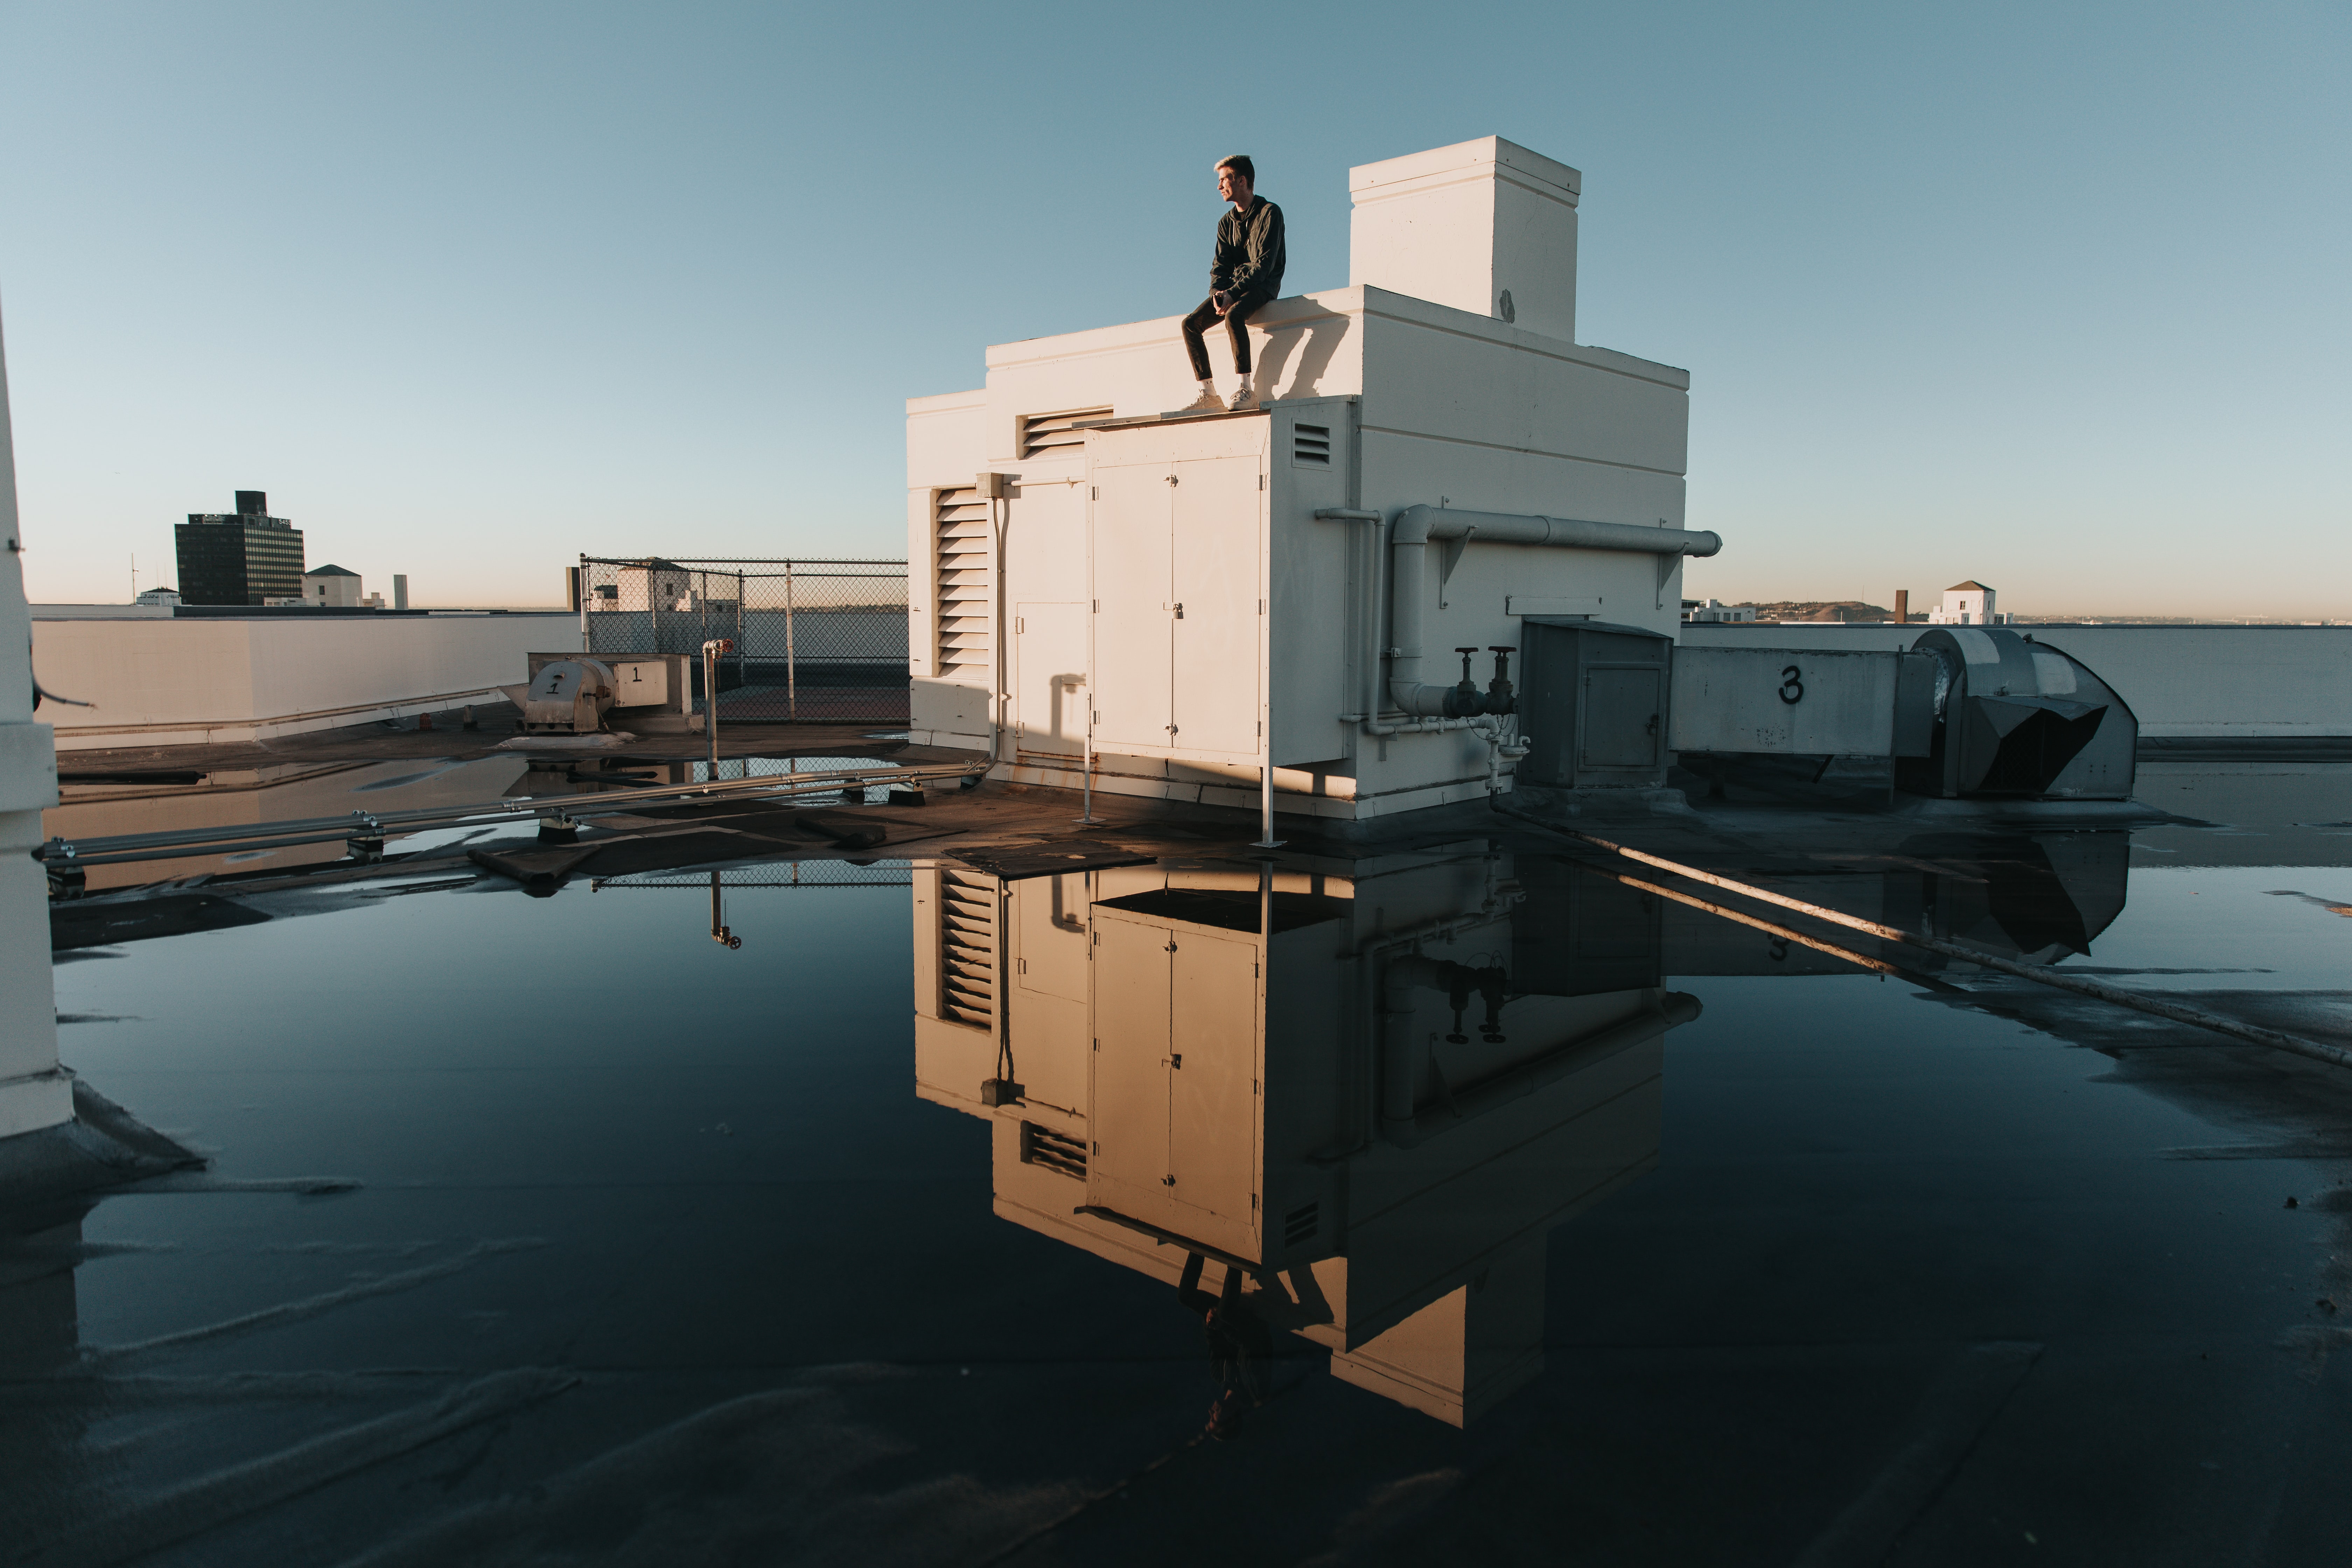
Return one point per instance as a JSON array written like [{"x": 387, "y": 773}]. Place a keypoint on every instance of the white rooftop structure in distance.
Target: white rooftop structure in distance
[
  {"x": 1967, "y": 604},
  {"x": 331, "y": 587},
  {"x": 1164, "y": 593}
]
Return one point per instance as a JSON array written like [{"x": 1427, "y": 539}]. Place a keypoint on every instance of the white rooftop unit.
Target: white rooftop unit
[{"x": 1088, "y": 572}]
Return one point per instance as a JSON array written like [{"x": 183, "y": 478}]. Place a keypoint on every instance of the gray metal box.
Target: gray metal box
[{"x": 1593, "y": 703}]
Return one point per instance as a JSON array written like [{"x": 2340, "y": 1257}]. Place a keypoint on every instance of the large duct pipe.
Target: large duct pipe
[{"x": 1409, "y": 540}]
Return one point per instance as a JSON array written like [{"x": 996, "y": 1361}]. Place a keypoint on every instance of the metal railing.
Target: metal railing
[{"x": 816, "y": 641}]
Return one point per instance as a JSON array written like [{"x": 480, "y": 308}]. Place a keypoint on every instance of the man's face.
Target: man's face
[{"x": 1232, "y": 186}]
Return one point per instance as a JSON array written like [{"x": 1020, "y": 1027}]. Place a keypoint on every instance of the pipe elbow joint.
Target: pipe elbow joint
[{"x": 1410, "y": 526}]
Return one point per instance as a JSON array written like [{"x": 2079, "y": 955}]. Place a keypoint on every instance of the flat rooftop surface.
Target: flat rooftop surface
[{"x": 548, "y": 1230}]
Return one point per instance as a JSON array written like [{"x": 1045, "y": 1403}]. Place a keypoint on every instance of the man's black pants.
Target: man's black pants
[{"x": 1236, "y": 323}]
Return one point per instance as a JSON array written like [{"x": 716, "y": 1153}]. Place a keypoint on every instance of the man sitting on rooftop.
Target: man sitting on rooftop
[{"x": 1245, "y": 273}]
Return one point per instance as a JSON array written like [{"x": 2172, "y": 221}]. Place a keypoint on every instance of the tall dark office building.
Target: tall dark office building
[{"x": 241, "y": 557}]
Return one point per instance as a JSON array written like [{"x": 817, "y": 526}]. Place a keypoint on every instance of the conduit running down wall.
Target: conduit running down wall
[{"x": 1409, "y": 537}]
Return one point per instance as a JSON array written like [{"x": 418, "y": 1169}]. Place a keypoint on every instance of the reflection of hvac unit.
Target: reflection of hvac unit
[{"x": 1371, "y": 1098}]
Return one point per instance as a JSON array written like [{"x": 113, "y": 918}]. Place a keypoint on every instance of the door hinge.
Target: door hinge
[
  {"x": 1260, "y": 481},
  {"x": 1261, "y": 606},
  {"x": 1019, "y": 624},
  {"x": 1094, "y": 493},
  {"x": 1097, "y": 1044},
  {"x": 1098, "y": 605},
  {"x": 1252, "y": 1202},
  {"x": 1019, "y": 966}
]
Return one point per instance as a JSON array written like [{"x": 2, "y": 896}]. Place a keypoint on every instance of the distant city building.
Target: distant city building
[
  {"x": 1967, "y": 604},
  {"x": 158, "y": 597},
  {"x": 1715, "y": 610},
  {"x": 330, "y": 587},
  {"x": 400, "y": 591},
  {"x": 650, "y": 584},
  {"x": 244, "y": 557}
]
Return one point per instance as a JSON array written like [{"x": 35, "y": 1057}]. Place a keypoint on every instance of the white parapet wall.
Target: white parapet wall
[
  {"x": 2182, "y": 682},
  {"x": 201, "y": 681},
  {"x": 35, "y": 1092}
]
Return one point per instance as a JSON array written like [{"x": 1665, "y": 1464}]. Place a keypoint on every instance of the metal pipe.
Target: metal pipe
[
  {"x": 2058, "y": 978},
  {"x": 1409, "y": 540},
  {"x": 317, "y": 831},
  {"x": 1433, "y": 709},
  {"x": 710, "y": 652}
]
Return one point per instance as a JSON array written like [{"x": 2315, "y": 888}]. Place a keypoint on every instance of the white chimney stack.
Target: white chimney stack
[{"x": 1485, "y": 227}]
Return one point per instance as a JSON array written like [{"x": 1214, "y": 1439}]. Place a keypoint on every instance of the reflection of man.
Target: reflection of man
[
  {"x": 1239, "y": 1345},
  {"x": 1244, "y": 274}
]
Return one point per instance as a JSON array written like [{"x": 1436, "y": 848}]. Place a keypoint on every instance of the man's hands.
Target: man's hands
[{"x": 1222, "y": 302}]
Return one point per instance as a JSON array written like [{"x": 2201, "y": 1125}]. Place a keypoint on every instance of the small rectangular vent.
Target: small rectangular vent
[
  {"x": 1055, "y": 1151},
  {"x": 965, "y": 595},
  {"x": 1299, "y": 1224},
  {"x": 1310, "y": 446},
  {"x": 1054, "y": 434},
  {"x": 968, "y": 949}
]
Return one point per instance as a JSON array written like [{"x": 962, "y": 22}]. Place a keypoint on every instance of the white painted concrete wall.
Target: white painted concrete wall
[
  {"x": 34, "y": 1091},
  {"x": 209, "y": 679},
  {"x": 1464, "y": 226},
  {"x": 2180, "y": 680}
]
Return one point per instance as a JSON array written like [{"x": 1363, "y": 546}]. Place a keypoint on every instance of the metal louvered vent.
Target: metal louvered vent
[
  {"x": 968, "y": 949},
  {"x": 1055, "y": 1151},
  {"x": 959, "y": 527},
  {"x": 1310, "y": 446},
  {"x": 1299, "y": 1224},
  {"x": 1052, "y": 435}
]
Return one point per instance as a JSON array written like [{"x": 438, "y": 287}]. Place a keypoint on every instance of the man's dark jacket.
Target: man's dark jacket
[{"x": 1249, "y": 263}]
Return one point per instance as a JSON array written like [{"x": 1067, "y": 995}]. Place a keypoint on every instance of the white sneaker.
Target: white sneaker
[
  {"x": 1207, "y": 403},
  {"x": 1244, "y": 398}
]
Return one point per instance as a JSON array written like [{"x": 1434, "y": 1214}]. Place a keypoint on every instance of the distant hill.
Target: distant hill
[{"x": 1821, "y": 610}]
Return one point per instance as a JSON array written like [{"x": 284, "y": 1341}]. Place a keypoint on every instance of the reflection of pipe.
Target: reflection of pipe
[
  {"x": 719, "y": 931},
  {"x": 2061, "y": 979},
  {"x": 1406, "y": 1131}
]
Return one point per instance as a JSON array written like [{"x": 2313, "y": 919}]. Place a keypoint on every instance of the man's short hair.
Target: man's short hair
[{"x": 1240, "y": 164}]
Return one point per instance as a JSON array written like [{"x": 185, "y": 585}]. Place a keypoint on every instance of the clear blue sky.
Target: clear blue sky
[{"x": 2054, "y": 297}]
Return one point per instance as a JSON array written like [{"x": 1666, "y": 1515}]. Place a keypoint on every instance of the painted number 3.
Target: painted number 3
[{"x": 1792, "y": 690}]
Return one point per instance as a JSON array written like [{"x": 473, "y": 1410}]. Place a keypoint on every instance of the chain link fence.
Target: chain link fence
[{"x": 819, "y": 642}]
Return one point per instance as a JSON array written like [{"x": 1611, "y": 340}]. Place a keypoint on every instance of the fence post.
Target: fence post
[
  {"x": 742, "y": 670},
  {"x": 587, "y": 644},
  {"x": 792, "y": 654}
]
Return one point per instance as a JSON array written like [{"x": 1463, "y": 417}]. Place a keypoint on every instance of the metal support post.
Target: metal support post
[
  {"x": 710, "y": 652},
  {"x": 791, "y": 653},
  {"x": 1267, "y": 840}
]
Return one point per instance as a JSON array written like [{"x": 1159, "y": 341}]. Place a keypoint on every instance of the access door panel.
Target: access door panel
[
  {"x": 1217, "y": 556},
  {"x": 1049, "y": 686},
  {"x": 1213, "y": 1078},
  {"x": 1129, "y": 1110},
  {"x": 1620, "y": 717},
  {"x": 1132, "y": 606}
]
